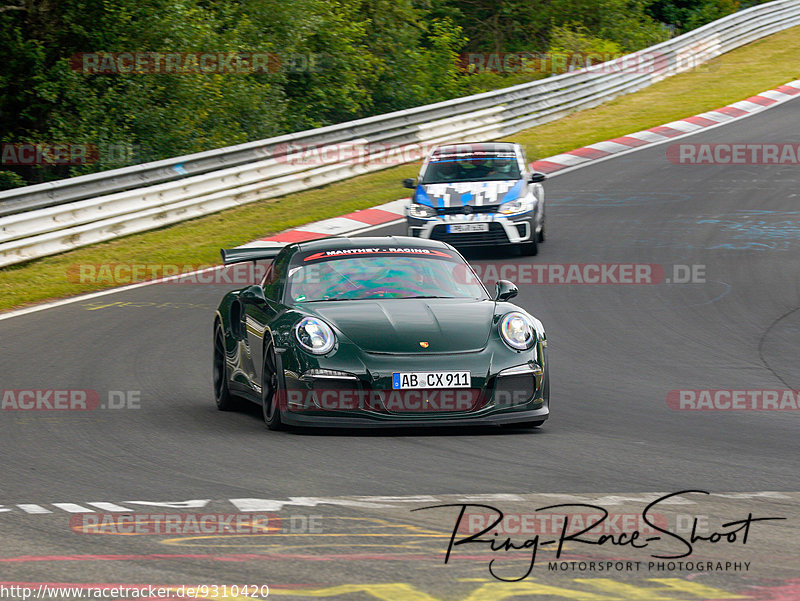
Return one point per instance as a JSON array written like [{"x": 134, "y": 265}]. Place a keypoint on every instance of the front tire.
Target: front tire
[
  {"x": 222, "y": 394},
  {"x": 270, "y": 399}
]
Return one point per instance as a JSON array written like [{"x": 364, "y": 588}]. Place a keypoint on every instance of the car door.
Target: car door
[{"x": 261, "y": 304}]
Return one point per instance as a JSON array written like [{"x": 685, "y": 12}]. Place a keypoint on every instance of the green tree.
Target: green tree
[{"x": 48, "y": 98}]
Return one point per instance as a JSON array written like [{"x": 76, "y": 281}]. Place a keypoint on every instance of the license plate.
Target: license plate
[
  {"x": 431, "y": 379},
  {"x": 464, "y": 228}
]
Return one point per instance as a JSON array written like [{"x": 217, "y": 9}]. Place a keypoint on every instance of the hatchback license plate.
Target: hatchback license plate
[{"x": 465, "y": 228}]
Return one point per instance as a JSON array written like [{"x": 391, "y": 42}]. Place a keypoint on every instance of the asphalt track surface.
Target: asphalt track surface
[{"x": 616, "y": 352}]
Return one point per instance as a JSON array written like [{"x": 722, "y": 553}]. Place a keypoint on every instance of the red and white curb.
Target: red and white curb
[
  {"x": 394, "y": 212},
  {"x": 662, "y": 133}
]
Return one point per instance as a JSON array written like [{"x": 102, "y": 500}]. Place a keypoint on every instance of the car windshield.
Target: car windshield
[
  {"x": 382, "y": 274},
  {"x": 470, "y": 169}
]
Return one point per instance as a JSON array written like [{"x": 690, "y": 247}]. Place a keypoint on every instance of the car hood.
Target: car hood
[
  {"x": 400, "y": 325},
  {"x": 474, "y": 194}
]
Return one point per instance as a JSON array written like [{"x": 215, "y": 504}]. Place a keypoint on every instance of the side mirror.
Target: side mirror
[
  {"x": 505, "y": 290},
  {"x": 253, "y": 294},
  {"x": 410, "y": 183},
  {"x": 537, "y": 177}
]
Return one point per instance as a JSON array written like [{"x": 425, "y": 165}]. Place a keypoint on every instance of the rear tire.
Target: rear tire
[
  {"x": 222, "y": 395},
  {"x": 270, "y": 399}
]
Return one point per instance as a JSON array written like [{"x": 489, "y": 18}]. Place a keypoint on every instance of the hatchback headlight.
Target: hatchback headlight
[
  {"x": 515, "y": 206},
  {"x": 518, "y": 331},
  {"x": 420, "y": 211},
  {"x": 315, "y": 336}
]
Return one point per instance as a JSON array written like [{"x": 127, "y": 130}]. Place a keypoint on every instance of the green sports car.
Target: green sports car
[{"x": 371, "y": 332}]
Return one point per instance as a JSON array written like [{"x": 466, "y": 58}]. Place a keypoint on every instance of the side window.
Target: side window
[{"x": 269, "y": 275}]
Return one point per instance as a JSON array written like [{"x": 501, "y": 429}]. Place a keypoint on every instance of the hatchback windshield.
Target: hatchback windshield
[
  {"x": 382, "y": 274},
  {"x": 471, "y": 169}
]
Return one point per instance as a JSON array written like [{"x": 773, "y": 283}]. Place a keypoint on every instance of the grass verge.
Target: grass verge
[{"x": 746, "y": 71}]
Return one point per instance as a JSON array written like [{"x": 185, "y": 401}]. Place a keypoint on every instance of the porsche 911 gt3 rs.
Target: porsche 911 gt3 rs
[{"x": 370, "y": 332}]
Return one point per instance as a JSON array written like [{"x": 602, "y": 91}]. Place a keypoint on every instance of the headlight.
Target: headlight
[
  {"x": 315, "y": 336},
  {"x": 518, "y": 331},
  {"x": 420, "y": 211},
  {"x": 515, "y": 206}
]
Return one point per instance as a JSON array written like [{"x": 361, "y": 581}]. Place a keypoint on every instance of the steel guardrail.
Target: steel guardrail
[{"x": 49, "y": 218}]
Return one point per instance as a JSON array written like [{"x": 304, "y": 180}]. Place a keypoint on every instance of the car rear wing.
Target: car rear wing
[{"x": 240, "y": 255}]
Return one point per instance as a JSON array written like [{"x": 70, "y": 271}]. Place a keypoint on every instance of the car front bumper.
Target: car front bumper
[
  {"x": 513, "y": 390},
  {"x": 503, "y": 230}
]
